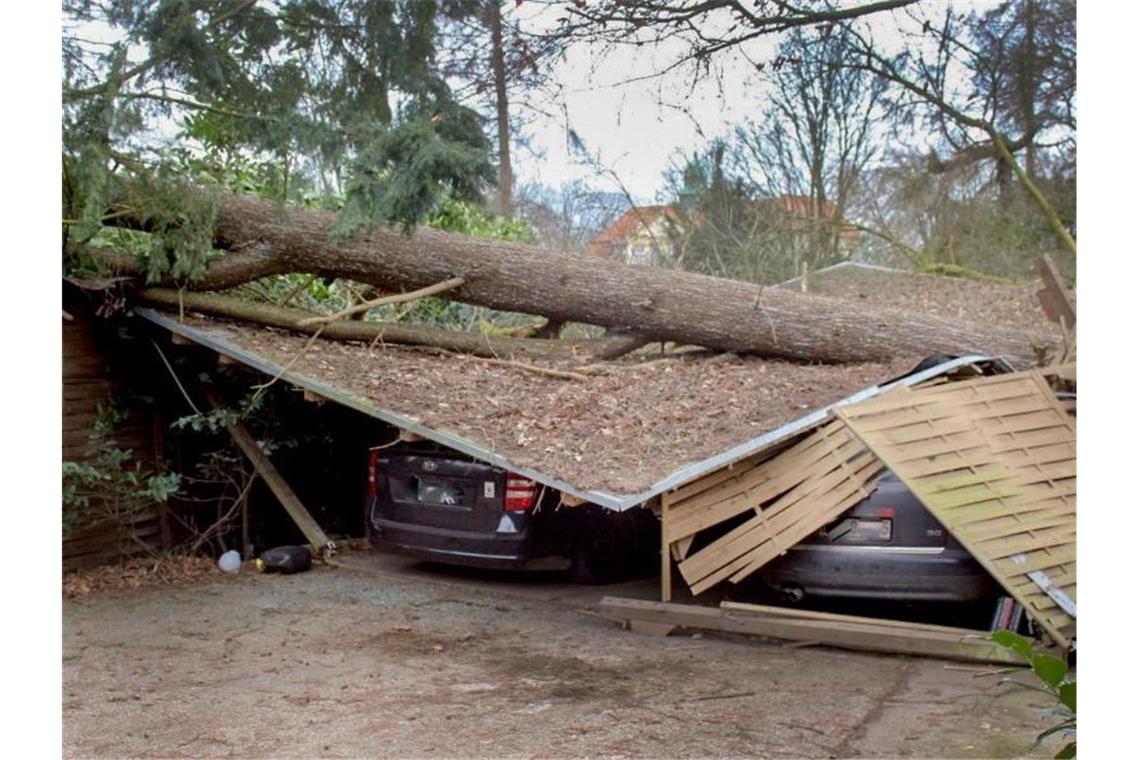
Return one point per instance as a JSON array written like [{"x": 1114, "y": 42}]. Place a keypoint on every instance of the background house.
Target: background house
[
  {"x": 646, "y": 235},
  {"x": 662, "y": 234}
]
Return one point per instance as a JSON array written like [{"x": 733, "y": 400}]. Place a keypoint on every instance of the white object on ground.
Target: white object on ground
[{"x": 230, "y": 562}]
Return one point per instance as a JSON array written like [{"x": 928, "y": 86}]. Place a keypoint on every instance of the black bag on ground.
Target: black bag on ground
[{"x": 285, "y": 559}]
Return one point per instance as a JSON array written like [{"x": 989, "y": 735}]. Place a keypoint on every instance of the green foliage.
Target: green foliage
[
  {"x": 1052, "y": 678},
  {"x": 108, "y": 482},
  {"x": 465, "y": 218},
  {"x": 403, "y": 173},
  {"x": 302, "y": 100}
]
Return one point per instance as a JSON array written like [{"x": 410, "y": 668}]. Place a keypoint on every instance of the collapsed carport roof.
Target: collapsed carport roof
[{"x": 616, "y": 439}]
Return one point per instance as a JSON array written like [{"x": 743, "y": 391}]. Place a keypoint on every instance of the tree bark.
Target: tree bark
[
  {"x": 661, "y": 304},
  {"x": 298, "y": 320},
  {"x": 266, "y": 237},
  {"x": 502, "y": 109}
]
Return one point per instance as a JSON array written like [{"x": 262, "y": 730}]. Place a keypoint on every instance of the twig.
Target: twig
[
  {"x": 414, "y": 295},
  {"x": 558, "y": 373},
  {"x": 296, "y": 357},
  {"x": 734, "y": 695},
  {"x": 177, "y": 382},
  {"x": 241, "y": 497},
  {"x": 297, "y": 290}
]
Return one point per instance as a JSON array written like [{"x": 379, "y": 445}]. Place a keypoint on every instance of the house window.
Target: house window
[{"x": 640, "y": 254}]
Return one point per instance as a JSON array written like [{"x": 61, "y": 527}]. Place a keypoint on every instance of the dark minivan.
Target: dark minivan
[
  {"x": 433, "y": 503},
  {"x": 887, "y": 546}
]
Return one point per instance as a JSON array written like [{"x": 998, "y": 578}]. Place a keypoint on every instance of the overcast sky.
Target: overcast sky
[
  {"x": 635, "y": 126},
  {"x": 623, "y": 119}
]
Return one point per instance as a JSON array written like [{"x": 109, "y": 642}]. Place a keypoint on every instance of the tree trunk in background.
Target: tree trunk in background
[
  {"x": 661, "y": 304},
  {"x": 502, "y": 110}
]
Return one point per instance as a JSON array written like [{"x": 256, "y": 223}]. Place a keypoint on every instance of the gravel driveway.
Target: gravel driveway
[{"x": 389, "y": 658}]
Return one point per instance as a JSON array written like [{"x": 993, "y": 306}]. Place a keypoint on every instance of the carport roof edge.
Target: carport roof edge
[{"x": 461, "y": 444}]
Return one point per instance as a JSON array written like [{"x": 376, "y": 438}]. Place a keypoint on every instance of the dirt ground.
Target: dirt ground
[{"x": 385, "y": 657}]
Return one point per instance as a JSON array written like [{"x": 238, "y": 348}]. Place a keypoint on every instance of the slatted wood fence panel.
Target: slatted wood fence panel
[
  {"x": 994, "y": 459},
  {"x": 87, "y": 385},
  {"x": 791, "y": 495}
]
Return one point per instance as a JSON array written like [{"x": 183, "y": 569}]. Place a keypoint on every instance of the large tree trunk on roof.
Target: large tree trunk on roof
[{"x": 265, "y": 237}]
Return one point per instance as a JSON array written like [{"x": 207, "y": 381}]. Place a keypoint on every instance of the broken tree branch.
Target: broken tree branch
[
  {"x": 476, "y": 344},
  {"x": 415, "y": 295}
]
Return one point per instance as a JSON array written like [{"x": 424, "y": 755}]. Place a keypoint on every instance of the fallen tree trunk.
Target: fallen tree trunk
[
  {"x": 298, "y": 320},
  {"x": 264, "y": 238}
]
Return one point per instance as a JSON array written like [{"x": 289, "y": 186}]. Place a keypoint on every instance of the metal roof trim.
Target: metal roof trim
[{"x": 459, "y": 443}]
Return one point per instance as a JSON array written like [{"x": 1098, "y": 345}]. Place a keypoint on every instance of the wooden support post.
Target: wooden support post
[
  {"x": 666, "y": 555},
  {"x": 313, "y": 532}
]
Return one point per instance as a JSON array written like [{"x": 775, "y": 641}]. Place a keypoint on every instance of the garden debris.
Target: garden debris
[
  {"x": 619, "y": 432},
  {"x": 138, "y": 573}
]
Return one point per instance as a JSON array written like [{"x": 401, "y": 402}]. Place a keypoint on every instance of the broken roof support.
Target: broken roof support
[{"x": 252, "y": 449}]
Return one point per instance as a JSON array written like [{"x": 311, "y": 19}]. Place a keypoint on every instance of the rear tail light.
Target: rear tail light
[
  {"x": 373, "y": 463},
  {"x": 520, "y": 493}
]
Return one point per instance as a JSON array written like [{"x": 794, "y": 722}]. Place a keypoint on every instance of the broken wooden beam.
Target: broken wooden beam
[
  {"x": 862, "y": 634},
  {"x": 277, "y": 484},
  {"x": 1054, "y": 297}
]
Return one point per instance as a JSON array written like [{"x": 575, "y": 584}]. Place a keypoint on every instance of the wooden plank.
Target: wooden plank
[
  {"x": 277, "y": 484},
  {"x": 734, "y": 469},
  {"x": 771, "y": 535},
  {"x": 666, "y": 554},
  {"x": 782, "y": 480},
  {"x": 744, "y": 537},
  {"x": 803, "y": 614},
  {"x": 1020, "y": 501},
  {"x": 680, "y": 549},
  {"x": 1054, "y": 296},
  {"x": 873, "y": 637}
]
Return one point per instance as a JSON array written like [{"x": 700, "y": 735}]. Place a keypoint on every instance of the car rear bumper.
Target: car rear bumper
[
  {"x": 499, "y": 551},
  {"x": 907, "y": 574}
]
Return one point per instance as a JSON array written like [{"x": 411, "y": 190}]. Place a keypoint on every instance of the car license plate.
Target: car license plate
[
  {"x": 438, "y": 494},
  {"x": 856, "y": 531}
]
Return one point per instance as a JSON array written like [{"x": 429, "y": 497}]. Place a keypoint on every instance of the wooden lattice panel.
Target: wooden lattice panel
[
  {"x": 811, "y": 484},
  {"x": 994, "y": 459}
]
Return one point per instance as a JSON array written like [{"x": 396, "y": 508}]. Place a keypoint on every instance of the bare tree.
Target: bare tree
[
  {"x": 1019, "y": 101},
  {"x": 815, "y": 139},
  {"x": 496, "y": 61},
  {"x": 1032, "y": 50},
  {"x": 566, "y": 217}
]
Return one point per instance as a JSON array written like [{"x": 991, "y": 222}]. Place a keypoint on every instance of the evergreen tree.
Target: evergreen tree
[{"x": 344, "y": 94}]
